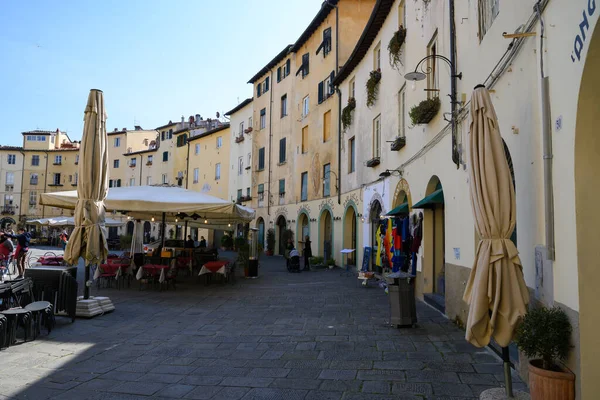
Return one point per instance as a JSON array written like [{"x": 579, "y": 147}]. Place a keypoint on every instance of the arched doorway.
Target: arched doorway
[
  {"x": 303, "y": 228},
  {"x": 350, "y": 234},
  {"x": 260, "y": 225},
  {"x": 326, "y": 234},
  {"x": 375, "y": 219},
  {"x": 434, "y": 242},
  {"x": 281, "y": 226},
  {"x": 130, "y": 226},
  {"x": 8, "y": 223},
  {"x": 587, "y": 217}
]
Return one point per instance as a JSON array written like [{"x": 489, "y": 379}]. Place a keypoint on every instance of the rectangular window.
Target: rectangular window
[
  {"x": 351, "y": 155},
  {"x": 284, "y": 105},
  {"x": 117, "y": 142},
  {"x": 305, "y": 140},
  {"x": 164, "y": 179},
  {"x": 250, "y": 122},
  {"x": 33, "y": 179},
  {"x": 326, "y": 42},
  {"x": 133, "y": 162},
  {"x": 165, "y": 156},
  {"x": 377, "y": 57},
  {"x": 182, "y": 140},
  {"x": 240, "y": 165},
  {"x": 327, "y": 126},
  {"x": 170, "y": 134},
  {"x": 248, "y": 192},
  {"x": 259, "y": 89},
  {"x": 305, "y": 102},
  {"x": 118, "y": 183},
  {"x": 249, "y": 160},
  {"x": 150, "y": 158},
  {"x": 377, "y": 137},
  {"x": 76, "y": 178},
  {"x": 116, "y": 164},
  {"x": 282, "y": 147},
  {"x": 326, "y": 88},
  {"x": 281, "y": 187},
  {"x": 12, "y": 159},
  {"x": 76, "y": 159},
  {"x": 197, "y": 149},
  {"x": 57, "y": 160},
  {"x": 219, "y": 142},
  {"x": 326, "y": 180},
  {"x": 35, "y": 161},
  {"x": 304, "y": 186},
  {"x": 279, "y": 75},
  {"x": 263, "y": 118},
  {"x": 352, "y": 89},
  {"x": 217, "y": 171},
  {"x": 261, "y": 159},
  {"x": 402, "y": 112},
  {"x": 488, "y": 10},
  {"x": 149, "y": 180},
  {"x": 261, "y": 193},
  {"x": 32, "y": 198},
  {"x": 432, "y": 77},
  {"x": 304, "y": 69},
  {"x": 10, "y": 178},
  {"x": 56, "y": 179},
  {"x": 241, "y": 128},
  {"x": 240, "y": 194},
  {"x": 131, "y": 181}
]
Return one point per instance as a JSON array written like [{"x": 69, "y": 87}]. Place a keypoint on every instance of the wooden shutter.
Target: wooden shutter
[
  {"x": 320, "y": 92},
  {"x": 282, "y": 150},
  {"x": 330, "y": 88},
  {"x": 305, "y": 61},
  {"x": 279, "y": 74},
  {"x": 267, "y": 84},
  {"x": 258, "y": 89}
]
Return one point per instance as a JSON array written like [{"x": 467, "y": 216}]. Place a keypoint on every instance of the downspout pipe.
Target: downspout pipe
[
  {"x": 339, "y": 174},
  {"x": 453, "y": 96},
  {"x": 45, "y": 183},
  {"x": 547, "y": 146},
  {"x": 270, "y": 142},
  {"x": 22, "y": 191}
]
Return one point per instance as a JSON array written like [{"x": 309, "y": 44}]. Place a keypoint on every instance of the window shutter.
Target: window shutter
[
  {"x": 162, "y": 136},
  {"x": 258, "y": 87},
  {"x": 331, "y": 77},
  {"x": 305, "y": 64},
  {"x": 282, "y": 186},
  {"x": 287, "y": 67},
  {"x": 279, "y": 74},
  {"x": 282, "y": 150},
  {"x": 320, "y": 92},
  {"x": 267, "y": 84}
]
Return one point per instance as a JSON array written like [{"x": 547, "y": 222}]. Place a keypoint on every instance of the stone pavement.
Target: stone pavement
[{"x": 313, "y": 335}]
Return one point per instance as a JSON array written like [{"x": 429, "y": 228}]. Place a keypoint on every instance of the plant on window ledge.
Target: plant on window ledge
[
  {"x": 398, "y": 143},
  {"x": 248, "y": 130},
  {"x": 424, "y": 112},
  {"x": 395, "y": 47},
  {"x": 373, "y": 162},
  {"x": 373, "y": 87},
  {"x": 347, "y": 113}
]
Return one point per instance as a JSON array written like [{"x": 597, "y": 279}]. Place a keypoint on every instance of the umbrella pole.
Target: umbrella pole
[
  {"x": 86, "y": 288},
  {"x": 163, "y": 228},
  {"x": 507, "y": 376}
]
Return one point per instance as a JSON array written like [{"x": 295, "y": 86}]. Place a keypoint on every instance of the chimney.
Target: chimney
[
  {"x": 182, "y": 119},
  {"x": 198, "y": 118},
  {"x": 124, "y": 129},
  {"x": 138, "y": 128},
  {"x": 116, "y": 130}
]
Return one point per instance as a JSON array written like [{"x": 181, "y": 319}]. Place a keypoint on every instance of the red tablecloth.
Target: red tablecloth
[
  {"x": 52, "y": 260},
  {"x": 155, "y": 268},
  {"x": 214, "y": 266},
  {"x": 112, "y": 268}
]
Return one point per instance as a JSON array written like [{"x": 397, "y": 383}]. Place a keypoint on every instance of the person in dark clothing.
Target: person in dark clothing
[
  {"x": 288, "y": 248},
  {"x": 189, "y": 244},
  {"x": 307, "y": 253},
  {"x": 23, "y": 239},
  {"x": 202, "y": 242}
]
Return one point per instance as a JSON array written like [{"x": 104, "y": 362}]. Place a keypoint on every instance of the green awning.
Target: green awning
[
  {"x": 432, "y": 200},
  {"x": 402, "y": 209}
]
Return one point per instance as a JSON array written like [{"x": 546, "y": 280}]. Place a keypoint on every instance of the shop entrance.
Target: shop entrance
[
  {"x": 374, "y": 219},
  {"x": 350, "y": 228},
  {"x": 281, "y": 226},
  {"x": 326, "y": 233}
]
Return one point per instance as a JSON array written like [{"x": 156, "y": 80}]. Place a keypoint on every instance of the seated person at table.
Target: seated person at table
[{"x": 189, "y": 244}]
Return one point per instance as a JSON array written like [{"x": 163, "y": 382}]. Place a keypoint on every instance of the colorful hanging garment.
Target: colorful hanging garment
[
  {"x": 389, "y": 243},
  {"x": 397, "y": 258},
  {"x": 378, "y": 239}
]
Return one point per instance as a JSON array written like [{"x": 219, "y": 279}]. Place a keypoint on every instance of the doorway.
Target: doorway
[
  {"x": 375, "y": 219},
  {"x": 326, "y": 233},
  {"x": 260, "y": 225},
  {"x": 350, "y": 230},
  {"x": 281, "y": 226}
]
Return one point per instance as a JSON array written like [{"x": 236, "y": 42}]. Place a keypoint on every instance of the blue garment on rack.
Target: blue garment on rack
[
  {"x": 405, "y": 228},
  {"x": 414, "y": 264}
]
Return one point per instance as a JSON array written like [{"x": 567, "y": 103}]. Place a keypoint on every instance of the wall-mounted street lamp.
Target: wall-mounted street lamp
[
  {"x": 420, "y": 73},
  {"x": 390, "y": 172}
]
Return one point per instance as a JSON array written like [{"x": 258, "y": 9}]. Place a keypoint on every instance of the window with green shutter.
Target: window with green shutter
[
  {"x": 282, "y": 147},
  {"x": 281, "y": 187},
  {"x": 261, "y": 158}
]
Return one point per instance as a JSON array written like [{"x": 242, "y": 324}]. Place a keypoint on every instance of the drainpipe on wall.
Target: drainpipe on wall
[
  {"x": 45, "y": 183},
  {"x": 270, "y": 143},
  {"x": 339, "y": 174},
  {"x": 547, "y": 146},
  {"x": 453, "y": 96},
  {"x": 22, "y": 181},
  {"x": 187, "y": 169}
]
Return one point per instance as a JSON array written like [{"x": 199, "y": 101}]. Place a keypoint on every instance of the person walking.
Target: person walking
[
  {"x": 288, "y": 248},
  {"x": 64, "y": 239},
  {"x": 307, "y": 253},
  {"x": 23, "y": 239}
]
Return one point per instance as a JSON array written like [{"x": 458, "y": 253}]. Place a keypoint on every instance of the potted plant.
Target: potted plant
[
  {"x": 316, "y": 261},
  {"x": 227, "y": 242},
  {"x": 544, "y": 336},
  {"x": 347, "y": 113},
  {"x": 424, "y": 112},
  {"x": 395, "y": 47},
  {"x": 373, "y": 86},
  {"x": 270, "y": 242},
  {"x": 330, "y": 263},
  {"x": 398, "y": 143}
]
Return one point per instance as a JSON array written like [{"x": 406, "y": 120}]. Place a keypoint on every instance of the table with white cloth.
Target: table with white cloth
[{"x": 220, "y": 267}]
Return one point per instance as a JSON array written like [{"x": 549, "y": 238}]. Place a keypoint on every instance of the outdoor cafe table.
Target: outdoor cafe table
[
  {"x": 153, "y": 269},
  {"x": 51, "y": 260},
  {"x": 216, "y": 267}
]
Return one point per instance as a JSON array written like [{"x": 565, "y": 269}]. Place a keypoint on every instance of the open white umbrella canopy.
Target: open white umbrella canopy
[
  {"x": 70, "y": 221},
  {"x": 88, "y": 239},
  {"x": 496, "y": 290},
  {"x": 147, "y": 202}
]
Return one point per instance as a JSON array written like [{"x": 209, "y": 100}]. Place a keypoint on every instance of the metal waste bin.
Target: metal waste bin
[{"x": 401, "y": 289}]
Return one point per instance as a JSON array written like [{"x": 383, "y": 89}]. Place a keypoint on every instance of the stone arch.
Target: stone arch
[
  {"x": 302, "y": 226},
  {"x": 402, "y": 194},
  {"x": 587, "y": 168},
  {"x": 325, "y": 244},
  {"x": 350, "y": 231}
]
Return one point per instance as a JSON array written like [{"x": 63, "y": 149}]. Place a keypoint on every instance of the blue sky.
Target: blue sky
[{"x": 155, "y": 60}]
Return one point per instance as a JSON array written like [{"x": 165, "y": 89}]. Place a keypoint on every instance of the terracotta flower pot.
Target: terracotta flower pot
[
  {"x": 550, "y": 385},
  {"x": 246, "y": 271}
]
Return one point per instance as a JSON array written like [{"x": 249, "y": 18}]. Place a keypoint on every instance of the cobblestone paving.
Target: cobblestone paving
[{"x": 315, "y": 335}]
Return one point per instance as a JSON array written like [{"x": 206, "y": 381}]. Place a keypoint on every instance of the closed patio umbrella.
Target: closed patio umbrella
[
  {"x": 496, "y": 290},
  {"x": 88, "y": 239}
]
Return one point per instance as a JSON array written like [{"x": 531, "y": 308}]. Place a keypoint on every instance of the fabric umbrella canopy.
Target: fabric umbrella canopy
[
  {"x": 88, "y": 239},
  {"x": 70, "y": 221},
  {"x": 147, "y": 202},
  {"x": 496, "y": 290}
]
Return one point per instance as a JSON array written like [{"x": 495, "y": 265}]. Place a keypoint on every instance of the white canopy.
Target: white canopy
[
  {"x": 69, "y": 221},
  {"x": 147, "y": 202}
]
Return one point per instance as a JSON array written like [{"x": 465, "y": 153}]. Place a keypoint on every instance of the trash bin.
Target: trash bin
[
  {"x": 253, "y": 268},
  {"x": 401, "y": 289}
]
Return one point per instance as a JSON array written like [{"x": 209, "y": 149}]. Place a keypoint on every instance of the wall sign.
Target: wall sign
[
  {"x": 457, "y": 253},
  {"x": 584, "y": 27}
]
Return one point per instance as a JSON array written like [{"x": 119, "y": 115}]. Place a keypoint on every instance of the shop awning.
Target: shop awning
[
  {"x": 432, "y": 200},
  {"x": 400, "y": 210}
]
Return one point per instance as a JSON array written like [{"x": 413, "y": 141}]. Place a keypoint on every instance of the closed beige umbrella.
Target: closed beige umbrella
[
  {"x": 496, "y": 291},
  {"x": 88, "y": 239}
]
